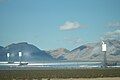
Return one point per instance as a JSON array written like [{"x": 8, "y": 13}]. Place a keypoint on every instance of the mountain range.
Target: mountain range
[
  {"x": 30, "y": 52},
  {"x": 86, "y": 52}
]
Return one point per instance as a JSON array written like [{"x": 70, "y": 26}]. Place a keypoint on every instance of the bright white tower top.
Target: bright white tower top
[
  {"x": 103, "y": 46},
  {"x": 8, "y": 54},
  {"x": 20, "y": 54}
]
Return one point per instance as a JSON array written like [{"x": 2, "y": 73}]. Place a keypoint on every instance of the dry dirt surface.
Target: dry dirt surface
[{"x": 110, "y": 78}]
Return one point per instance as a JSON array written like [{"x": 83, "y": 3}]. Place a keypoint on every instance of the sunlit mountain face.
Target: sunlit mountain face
[{"x": 93, "y": 52}]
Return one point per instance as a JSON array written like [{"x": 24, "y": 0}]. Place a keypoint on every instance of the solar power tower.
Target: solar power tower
[
  {"x": 20, "y": 56},
  {"x": 8, "y": 57},
  {"x": 104, "y": 49}
]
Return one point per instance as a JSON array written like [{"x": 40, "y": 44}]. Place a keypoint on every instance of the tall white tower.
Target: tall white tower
[
  {"x": 8, "y": 57},
  {"x": 104, "y": 49},
  {"x": 20, "y": 56}
]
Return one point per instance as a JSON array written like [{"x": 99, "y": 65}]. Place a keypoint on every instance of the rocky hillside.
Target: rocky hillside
[
  {"x": 59, "y": 53},
  {"x": 92, "y": 52}
]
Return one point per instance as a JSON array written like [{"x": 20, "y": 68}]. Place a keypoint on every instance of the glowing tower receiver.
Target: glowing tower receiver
[
  {"x": 8, "y": 57},
  {"x": 103, "y": 46},
  {"x": 20, "y": 55}
]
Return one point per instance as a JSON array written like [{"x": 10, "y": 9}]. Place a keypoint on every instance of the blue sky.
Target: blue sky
[{"x": 51, "y": 24}]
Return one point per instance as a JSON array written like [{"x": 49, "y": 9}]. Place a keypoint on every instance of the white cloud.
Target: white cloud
[
  {"x": 114, "y": 24},
  {"x": 70, "y": 25},
  {"x": 116, "y": 32},
  {"x": 112, "y": 35}
]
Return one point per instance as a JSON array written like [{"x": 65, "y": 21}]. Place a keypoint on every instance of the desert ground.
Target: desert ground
[
  {"x": 62, "y": 74},
  {"x": 108, "y": 78}
]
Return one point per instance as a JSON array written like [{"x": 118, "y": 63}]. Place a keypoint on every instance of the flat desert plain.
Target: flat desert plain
[{"x": 108, "y": 78}]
